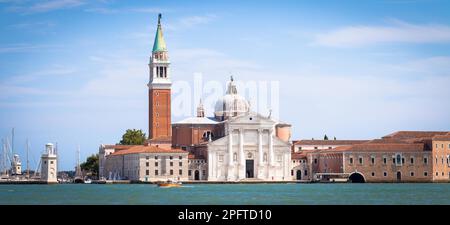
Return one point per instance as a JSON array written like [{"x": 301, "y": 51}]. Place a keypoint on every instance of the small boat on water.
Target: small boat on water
[{"x": 169, "y": 183}]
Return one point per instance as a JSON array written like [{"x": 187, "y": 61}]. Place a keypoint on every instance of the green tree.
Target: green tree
[
  {"x": 133, "y": 137},
  {"x": 325, "y": 137},
  {"x": 91, "y": 165}
]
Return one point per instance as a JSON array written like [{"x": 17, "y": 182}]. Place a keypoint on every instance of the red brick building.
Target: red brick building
[{"x": 404, "y": 156}]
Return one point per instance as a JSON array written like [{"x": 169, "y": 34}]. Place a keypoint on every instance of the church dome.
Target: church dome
[{"x": 231, "y": 104}]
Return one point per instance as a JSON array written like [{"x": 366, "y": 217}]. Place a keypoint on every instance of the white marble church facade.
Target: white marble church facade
[{"x": 249, "y": 150}]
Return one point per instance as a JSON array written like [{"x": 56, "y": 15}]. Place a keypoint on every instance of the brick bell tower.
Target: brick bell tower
[{"x": 159, "y": 89}]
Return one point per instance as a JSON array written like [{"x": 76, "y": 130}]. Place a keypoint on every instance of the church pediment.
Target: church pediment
[
  {"x": 220, "y": 141},
  {"x": 252, "y": 118}
]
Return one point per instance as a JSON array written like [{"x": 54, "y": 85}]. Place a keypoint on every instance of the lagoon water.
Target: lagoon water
[{"x": 234, "y": 194}]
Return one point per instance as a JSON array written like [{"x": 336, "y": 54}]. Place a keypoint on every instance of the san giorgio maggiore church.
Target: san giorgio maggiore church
[{"x": 235, "y": 144}]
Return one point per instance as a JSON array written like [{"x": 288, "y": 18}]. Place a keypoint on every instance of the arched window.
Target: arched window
[
  {"x": 207, "y": 135},
  {"x": 398, "y": 159}
]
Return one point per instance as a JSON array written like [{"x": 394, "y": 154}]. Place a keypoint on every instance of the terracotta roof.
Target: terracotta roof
[
  {"x": 146, "y": 149},
  {"x": 298, "y": 155},
  {"x": 328, "y": 142},
  {"x": 119, "y": 147},
  {"x": 415, "y": 134},
  {"x": 161, "y": 138},
  {"x": 389, "y": 141},
  {"x": 379, "y": 147},
  {"x": 442, "y": 137}
]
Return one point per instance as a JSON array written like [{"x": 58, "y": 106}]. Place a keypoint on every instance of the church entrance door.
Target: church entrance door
[
  {"x": 299, "y": 174},
  {"x": 249, "y": 168},
  {"x": 196, "y": 175}
]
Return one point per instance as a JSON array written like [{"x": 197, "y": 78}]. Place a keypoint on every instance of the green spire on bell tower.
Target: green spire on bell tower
[{"x": 160, "y": 44}]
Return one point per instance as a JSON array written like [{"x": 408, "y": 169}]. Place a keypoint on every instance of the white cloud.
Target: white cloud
[
  {"x": 397, "y": 32},
  {"x": 52, "y": 72},
  {"x": 191, "y": 21},
  {"x": 26, "y": 48},
  {"x": 27, "y": 7},
  {"x": 54, "y": 5},
  {"x": 105, "y": 10}
]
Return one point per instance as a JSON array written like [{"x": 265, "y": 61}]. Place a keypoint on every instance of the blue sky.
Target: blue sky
[{"x": 75, "y": 71}]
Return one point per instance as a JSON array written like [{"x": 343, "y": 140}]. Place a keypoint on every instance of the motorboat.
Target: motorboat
[{"x": 169, "y": 183}]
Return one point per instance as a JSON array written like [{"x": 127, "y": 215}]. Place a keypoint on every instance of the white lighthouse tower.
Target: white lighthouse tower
[{"x": 49, "y": 164}]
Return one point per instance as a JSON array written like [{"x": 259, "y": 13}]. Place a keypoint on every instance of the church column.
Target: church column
[
  {"x": 230, "y": 148},
  {"x": 241, "y": 147},
  {"x": 271, "y": 147},
  {"x": 230, "y": 173},
  {"x": 260, "y": 148},
  {"x": 241, "y": 172}
]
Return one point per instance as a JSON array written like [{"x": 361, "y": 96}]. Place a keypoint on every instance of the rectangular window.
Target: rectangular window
[
  {"x": 147, "y": 172},
  {"x": 51, "y": 162},
  {"x": 393, "y": 160},
  {"x": 180, "y": 172},
  {"x": 373, "y": 160},
  {"x": 156, "y": 163},
  {"x": 147, "y": 157},
  {"x": 373, "y": 174},
  {"x": 147, "y": 164},
  {"x": 425, "y": 174},
  {"x": 180, "y": 158},
  {"x": 299, "y": 148},
  {"x": 171, "y": 157},
  {"x": 385, "y": 174},
  {"x": 351, "y": 160},
  {"x": 412, "y": 174},
  {"x": 180, "y": 164},
  {"x": 306, "y": 173},
  {"x": 360, "y": 160},
  {"x": 171, "y": 172},
  {"x": 189, "y": 172},
  {"x": 425, "y": 160},
  {"x": 384, "y": 160},
  {"x": 171, "y": 163},
  {"x": 403, "y": 160},
  {"x": 412, "y": 160},
  {"x": 156, "y": 157},
  {"x": 315, "y": 161},
  {"x": 156, "y": 172},
  {"x": 292, "y": 172}
]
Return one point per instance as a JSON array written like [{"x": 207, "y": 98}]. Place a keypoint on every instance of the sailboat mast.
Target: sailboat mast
[
  {"x": 12, "y": 142},
  {"x": 78, "y": 161},
  {"x": 28, "y": 162}
]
